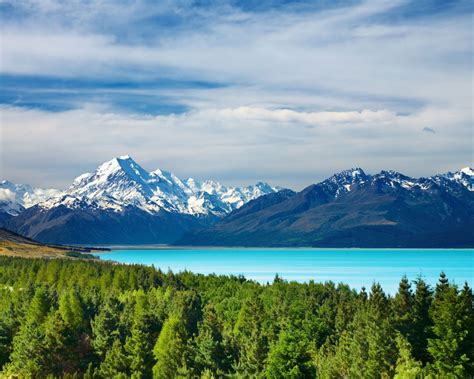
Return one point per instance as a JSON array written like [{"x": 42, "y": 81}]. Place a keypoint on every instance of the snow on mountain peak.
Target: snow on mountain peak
[
  {"x": 465, "y": 177},
  {"x": 467, "y": 171},
  {"x": 124, "y": 163},
  {"x": 14, "y": 198},
  {"x": 342, "y": 181},
  {"x": 347, "y": 175},
  {"x": 122, "y": 182}
]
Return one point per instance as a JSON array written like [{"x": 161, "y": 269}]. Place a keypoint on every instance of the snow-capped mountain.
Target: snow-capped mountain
[
  {"x": 122, "y": 203},
  {"x": 345, "y": 181},
  {"x": 121, "y": 183},
  {"x": 465, "y": 176},
  {"x": 354, "y": 209},
  {"x": 14, "y": 198}
]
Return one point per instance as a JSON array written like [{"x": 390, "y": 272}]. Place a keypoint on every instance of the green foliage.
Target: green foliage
[
  {"x": 28, "y": 355},
  {"x": 420, "y": 326},
  {"x": 115, "y": 364},
  {"x": 403, "y": 307},
  {"x": 210, "y": 348},
  {"x": 407, "y": 367},
  {"x": 251, "y": 343},
  {"x": 290, "y": 357},
  {"x": 138, "y": 344},
  {"x": 71, "y": 310},
  {"x": 78, "y": 254},
  {"x": 448, "y": 345},
  {"x": 105, "y": 327},
  {"x": 169, "y": 349},
  {"x": 86, "y": 319}
]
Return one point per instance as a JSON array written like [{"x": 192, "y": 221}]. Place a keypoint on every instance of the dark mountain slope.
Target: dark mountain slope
[
  {"x": 99, "y": 226},
  {"x": 9, "y": 236},
  {"x": 120, "y": 203},
  {"x": 352, "y": 209}
]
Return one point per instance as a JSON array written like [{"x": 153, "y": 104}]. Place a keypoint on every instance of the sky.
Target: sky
[{"x": 286, "y": 92}]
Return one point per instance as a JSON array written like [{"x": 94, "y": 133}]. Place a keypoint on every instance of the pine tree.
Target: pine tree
[
  {"x": 115, "y": 364},
  {"x": 138, "y": 344},
  {"x": 77, "y": 350},
  {"x": 380, "y": 334},
  {"x": 402, "y": 308},
  {"x": 39, "y": 307},
  {"x": 421, "y": 321},
  {"x": 187, "y": 306},
  {"x": 209, "y": 347},
  {"x": 58, "y": 355},
  {"x": 169, "y": 349},
  {"x": 378, "y": 302},
  {"x": 289, "y": 357},
  {"x": 71, "y": 310},
  {"x": 466, "y": 312},
  {"x": 446, "y": 346},
  {"x": 28, "y": 357},
  {"x": 251, "y": 342},
  {"x": 367, "y": 348},
  {"x": 6, "y": 337},
  {"x": 407, "y": 367},
  {"x": 105, "y": 328}
]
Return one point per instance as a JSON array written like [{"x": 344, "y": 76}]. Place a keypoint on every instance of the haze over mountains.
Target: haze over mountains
[{"x": 122, "y": 203}]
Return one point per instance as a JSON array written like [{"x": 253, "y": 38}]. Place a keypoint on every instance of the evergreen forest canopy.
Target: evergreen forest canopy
[{"x": 62, "y": 318}]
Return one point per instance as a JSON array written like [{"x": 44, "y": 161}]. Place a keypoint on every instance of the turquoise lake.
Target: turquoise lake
[{"x": 356, "y": 267}]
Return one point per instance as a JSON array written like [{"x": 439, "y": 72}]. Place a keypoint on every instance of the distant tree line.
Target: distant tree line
[{"x": 62, "y": 318}]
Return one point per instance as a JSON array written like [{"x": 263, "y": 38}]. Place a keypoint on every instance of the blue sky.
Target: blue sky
[{"x": 239, "y": 91}]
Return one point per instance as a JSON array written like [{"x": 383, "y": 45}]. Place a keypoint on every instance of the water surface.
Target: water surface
[{"x": 356, "y": 267}]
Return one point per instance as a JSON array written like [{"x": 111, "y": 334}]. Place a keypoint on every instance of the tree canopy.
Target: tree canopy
[{"x": 64, "y": 318}]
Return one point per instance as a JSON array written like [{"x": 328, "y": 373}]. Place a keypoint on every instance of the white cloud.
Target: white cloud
[
  {"x": 7, "y": 195},
  {"x": 310, "y": 118},
  {"x": 340, "y": 51},
  {"x": 305, "y": 93},
  {"x": 232, "y": 145}
]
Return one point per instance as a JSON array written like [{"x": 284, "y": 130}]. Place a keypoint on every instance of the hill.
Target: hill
[{"x": 14, "y": 244}]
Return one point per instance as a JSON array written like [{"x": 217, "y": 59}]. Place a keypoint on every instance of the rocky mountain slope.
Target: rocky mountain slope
[
  {"x": 354, "y": 209},
  {"x": 120, "y": 202}
]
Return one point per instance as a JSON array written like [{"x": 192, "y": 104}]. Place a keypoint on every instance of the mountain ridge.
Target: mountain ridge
[
  {"x": 120, "y": 202},
  {"x": 122, "y": 182},
  {"x": 354, "y": 209}
]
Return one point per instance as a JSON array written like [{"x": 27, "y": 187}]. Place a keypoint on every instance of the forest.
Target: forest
[{"x": 66, "y": 318}]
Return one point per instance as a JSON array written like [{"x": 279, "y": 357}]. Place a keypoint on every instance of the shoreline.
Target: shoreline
[{"x": 112, "y": 248}]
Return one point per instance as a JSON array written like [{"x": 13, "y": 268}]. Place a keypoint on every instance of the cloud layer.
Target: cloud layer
[{"x": 286, "y": 92}]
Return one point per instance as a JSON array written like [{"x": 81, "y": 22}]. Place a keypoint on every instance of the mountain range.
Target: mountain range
[
  {"x": 122, "y": 203},
  {"x": 354, "y": 209}
]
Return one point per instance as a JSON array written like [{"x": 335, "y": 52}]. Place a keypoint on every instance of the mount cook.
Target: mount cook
[{"x": 122, "y": 203}]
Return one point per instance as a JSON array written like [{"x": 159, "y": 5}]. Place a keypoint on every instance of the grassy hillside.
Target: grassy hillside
[{"x": 16, "y": 245}]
